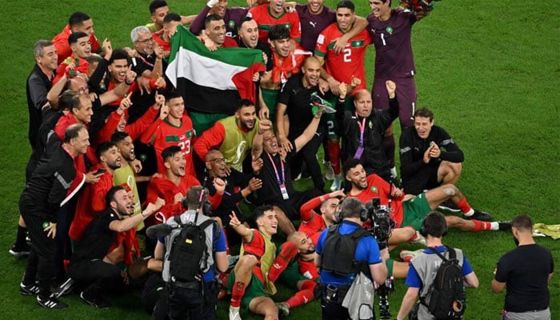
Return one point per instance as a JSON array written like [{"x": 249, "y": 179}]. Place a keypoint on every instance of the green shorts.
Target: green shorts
[
  {"x": 254, "y": 289},
  {"x": 291, "y": 276},
  {"x": 415, "y": 210},
  {"x": 270, "y": 97},
  {"x": 203, "y": 121}
]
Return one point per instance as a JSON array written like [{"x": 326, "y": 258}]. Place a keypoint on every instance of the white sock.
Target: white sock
[
  {"x": 494, "y": 226},
  {"x": 469, "y": 213}
]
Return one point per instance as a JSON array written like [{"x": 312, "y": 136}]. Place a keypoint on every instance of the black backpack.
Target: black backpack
[
  {"x": 338, "y": 252},
  {"x": 188, "y": 255},
  {"x": 447, "y": 292}
]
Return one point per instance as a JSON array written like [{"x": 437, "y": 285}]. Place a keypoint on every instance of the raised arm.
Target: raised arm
[
  {"x": 309, "y": 132},
  {"x": 241, "y": 229}
]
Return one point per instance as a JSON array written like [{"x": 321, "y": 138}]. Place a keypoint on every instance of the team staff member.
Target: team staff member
[
  {"x": 199, "y": 301},
  {"x": 525, "y": 273},
  {"x": 89, "y": 262},
  {"x": 366, "y": 254},
  {"x": 424, "y": 267},
  {"x": 362, "y": 129},
  {"x": 294, "y": 101},
  {"x": 429, "y": 156},
  {"x": 277, "y": 185},
  {"x": 43, "y": 195},
  {"x": 391, "y": 32}
]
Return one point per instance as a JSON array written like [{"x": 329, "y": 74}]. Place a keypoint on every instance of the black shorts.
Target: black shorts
[{"x": 424, "y": 179}]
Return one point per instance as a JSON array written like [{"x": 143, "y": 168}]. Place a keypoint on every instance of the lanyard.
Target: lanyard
[
  {"x": 362, "y": 129},
  {"x": 280, "y": 182}
]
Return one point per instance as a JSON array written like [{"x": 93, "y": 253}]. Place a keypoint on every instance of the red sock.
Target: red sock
[
  {"x": 287, "y": 253},
  {"x": 305, "y": 295},
  {"x": 481, "y": 226},
  {"x": 414, "y": 236},
  {"x": 237, "y": 293},
  {"x": 464, "y": 205},
  {"x": 333, "y": 150}
]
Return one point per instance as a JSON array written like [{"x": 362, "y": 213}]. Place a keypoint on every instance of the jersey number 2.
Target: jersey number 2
[{"x": 347, "y": 55}]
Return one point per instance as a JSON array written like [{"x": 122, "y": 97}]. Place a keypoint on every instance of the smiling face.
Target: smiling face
[
  {"x": 81, "y": 48},
  {"x": 81, "y": 142},
  {"x": 380, "y": 9},
  {"x": 423, "y": 126},
  {"x": 357, "y": 176},
  {"x": 216, "y": 163},
  {"x": 315, "y": 6},
  {"x": 268, "y": 223},
  {"x": 123, "y": 203},
  {"x": 311, "y": 72},
  {"x": 303, "y": 243},
  {"x": 176, "y": 107},
  {"x": 126, "y": 148},
  {"x": 48, "y": 59},
  {"x": 84, "y": 111},
  {"x": 249, "y": 33},
  {"x": 270, "y": 142},
  {"x": 247, "y": 117},
  {"x": 344, "y": 19},
  {"x": 281, "y": 46},
  {"x": 216, "y": 31},
  {"x": 118, "y": 70},
  {"x": 276, "y": 7},
  {"x": 112, "y": 158},
  {"x": 176, "y": 164},
  {"x": 144, "y": 44}
]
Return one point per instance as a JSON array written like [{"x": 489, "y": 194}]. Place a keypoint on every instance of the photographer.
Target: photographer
[
  {"x": 359, "y": 253},
  {"x": 525, "y": 272},
  {"x": 424, "y": 270}
]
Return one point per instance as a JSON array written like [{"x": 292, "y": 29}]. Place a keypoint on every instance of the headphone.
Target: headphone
[
  {"x": 425, "y": 229},
  {"x": 363, "y": 210}
]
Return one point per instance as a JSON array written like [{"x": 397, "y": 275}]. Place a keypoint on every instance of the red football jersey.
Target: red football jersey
[
  {"x": 312, "y": 223},
  {"x": 350, "y": 61},
  {"x": 162, "y": 135},
  {"x": 165, "y": 189},
  {"x": 379, "y": 188},
  {"x": 263, "y": 18}
]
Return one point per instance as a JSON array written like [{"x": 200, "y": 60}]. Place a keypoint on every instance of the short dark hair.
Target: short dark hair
[
  {"x": 94, "y": 58},
  {"x": 39, "y": 47},
  {"x": 196, "y": 196},
  {"x": 434, "y": 224},
  {"x": 350, "y": 164},
  {"x": 73, "y": 38},
  {"x": 169, "y": 152},
  {"x": 424, "y": 113},
  {"x": 346, "y": 4},
  {"x": 103, "y": 147},
  {"x": 245, "y": 103},
  {"x": 69, "y": 100},
  {"x": 110, "y": 196},
  {"x": 73, "y": 131},
  {"x": 156, "y": 4},
  {"x": 171, "y": 16},
  {"x": 77, "y": 18},
  {"x": 118, "y": 136},
  {"x": 279, "y": 32},
  {"x": 212, "y": 17},
  {"x": 522, "y": 222},
  {"x": 172, "y": 94},
  {"x": 351, "y": 208},
  {"x": 260, "y": 210},
  {"x": 246, "y": 19},
  {"x": 119, "y": 54}
]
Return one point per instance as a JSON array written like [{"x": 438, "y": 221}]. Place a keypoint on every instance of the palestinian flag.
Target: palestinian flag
[{"x": 212, "y": 82}]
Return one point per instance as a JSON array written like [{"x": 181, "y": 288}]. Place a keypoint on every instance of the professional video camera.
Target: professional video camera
[{"x": 382, "y": 225}]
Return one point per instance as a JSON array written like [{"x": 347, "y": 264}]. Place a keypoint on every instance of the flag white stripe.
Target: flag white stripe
[{"x": 202, "y": 70}]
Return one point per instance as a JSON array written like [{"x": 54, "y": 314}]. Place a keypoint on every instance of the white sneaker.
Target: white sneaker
[
  {"x": 234, "y": 313},
  {"x": 329, "y": 172},
  {"x": 337, "y": 183}
]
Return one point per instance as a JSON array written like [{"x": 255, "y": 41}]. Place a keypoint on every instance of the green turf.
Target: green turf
[{"x": 489, "y": 70}]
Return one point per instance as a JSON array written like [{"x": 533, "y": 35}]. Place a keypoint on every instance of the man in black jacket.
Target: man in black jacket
[
  {"x": 429, "y": 156},
  {"x": 45, "y": 192},
  {"x": 362, "y": 130}
]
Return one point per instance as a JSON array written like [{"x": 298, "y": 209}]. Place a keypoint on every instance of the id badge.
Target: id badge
[
  {"x": 359, "y": 153},
  {"x": 284, "y": 192}
]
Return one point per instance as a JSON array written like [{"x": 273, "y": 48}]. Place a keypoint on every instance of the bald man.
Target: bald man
[{"x": 362, "y": 130}]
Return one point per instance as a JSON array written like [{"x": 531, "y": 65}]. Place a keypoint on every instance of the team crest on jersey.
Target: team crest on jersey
[
  {"x": 389, "y": 30},
  {"x": 373, "y": 189}
]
